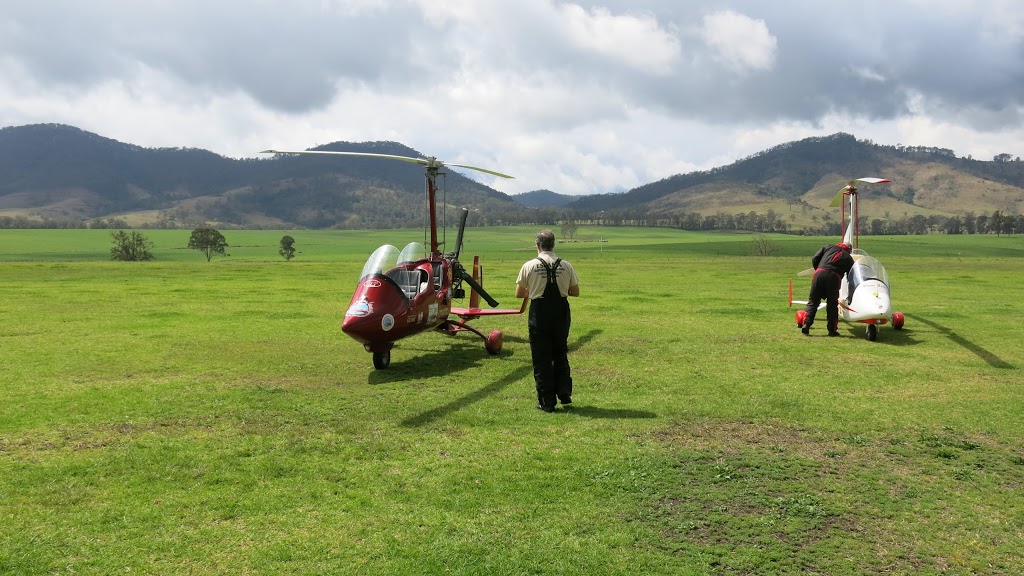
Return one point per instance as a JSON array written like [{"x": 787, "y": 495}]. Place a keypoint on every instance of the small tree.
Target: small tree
[
  {"x": 208, "y": 241},
  {"x": 763, "y": 246},
  {"x": 568, "y": 229},
  {"x": 996, "y": 222},
  {"x": 287, "y": 247},
  {"x": 130, "y": 247}
]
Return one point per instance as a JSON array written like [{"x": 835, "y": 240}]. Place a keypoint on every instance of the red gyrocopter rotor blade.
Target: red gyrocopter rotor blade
[{"x": 428, "y": 162}]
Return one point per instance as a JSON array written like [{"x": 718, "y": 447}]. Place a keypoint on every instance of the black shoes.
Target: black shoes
[
  {"x": 545, "y": 408},
  {"x": 833, "y": 333},
  {"x": 806, "y": 329},
  {"x": 565, "y": 400}
]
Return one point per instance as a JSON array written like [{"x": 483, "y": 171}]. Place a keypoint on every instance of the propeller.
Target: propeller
[
  {"x": 462, "y": 228},
  {"x": 459, "y": 274},
  {"x": 851, "y": 188},
  {"x": 429, "y": 162}
]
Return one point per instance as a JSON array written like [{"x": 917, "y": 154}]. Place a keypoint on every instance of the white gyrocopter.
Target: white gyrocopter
[{"x": 864, "y": 292}]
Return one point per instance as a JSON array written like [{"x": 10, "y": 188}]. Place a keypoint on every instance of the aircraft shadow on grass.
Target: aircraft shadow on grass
[
  {"x": 464, "y": 358},
  {"x": 421, "y": 363},
  {"x": 578, "y": 343},
  {"x": 992, "y": 360},
  {"x": 902, "y": 337},
  {"x": 471, "y": 398}
]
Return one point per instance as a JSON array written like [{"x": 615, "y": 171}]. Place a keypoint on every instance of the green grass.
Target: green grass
[{"x": 185, "y": 417}]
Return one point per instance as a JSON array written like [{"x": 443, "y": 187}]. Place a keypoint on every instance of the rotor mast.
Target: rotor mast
[
  {"x": 433, "y": 167},
  {"x": 854, "y": 226}
]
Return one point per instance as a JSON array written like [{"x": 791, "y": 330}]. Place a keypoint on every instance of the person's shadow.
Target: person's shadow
[{"x": 607, "y": 413}]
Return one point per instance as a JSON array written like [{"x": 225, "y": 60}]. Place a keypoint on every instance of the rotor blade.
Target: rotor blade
[
  {"x": 838, "y": 199},
  {"x": 422, "y": 161},
  {"x": 479, "y": 290},
  {"x": 462, "y": 228},
  {"x": 483, "y": 170}
]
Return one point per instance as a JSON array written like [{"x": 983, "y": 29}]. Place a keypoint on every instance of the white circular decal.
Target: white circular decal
[{"x": 387, "y": 322}]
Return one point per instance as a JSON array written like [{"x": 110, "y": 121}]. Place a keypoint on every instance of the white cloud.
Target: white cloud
[
  {"x": 740, "y": 42},
  {"x": 634, "y": 40}
]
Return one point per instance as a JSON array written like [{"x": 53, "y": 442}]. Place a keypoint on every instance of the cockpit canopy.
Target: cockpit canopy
[
  {"x": 387, "y": 258},
  {"x": 409, "y": 271},
  {"x": 866, "y": 267},
  {"x": 383, "y": 259}
]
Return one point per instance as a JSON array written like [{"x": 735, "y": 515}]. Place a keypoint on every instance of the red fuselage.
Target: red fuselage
[{"x": 406, "y": 300}]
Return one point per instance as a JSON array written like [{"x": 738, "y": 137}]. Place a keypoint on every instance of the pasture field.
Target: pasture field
[{"x": 180, "y": 416}]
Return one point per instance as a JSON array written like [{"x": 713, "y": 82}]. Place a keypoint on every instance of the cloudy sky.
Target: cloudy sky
[{"x": 578, "y": 97}]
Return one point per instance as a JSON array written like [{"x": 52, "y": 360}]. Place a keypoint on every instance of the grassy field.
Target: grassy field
[{"x": 185, "y": 417}]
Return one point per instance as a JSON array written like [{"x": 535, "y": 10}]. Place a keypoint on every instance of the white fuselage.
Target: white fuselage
[{"x": 870, "y": 302}]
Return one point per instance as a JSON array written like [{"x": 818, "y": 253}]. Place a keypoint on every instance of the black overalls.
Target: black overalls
[{"x": 549, "y": 335}]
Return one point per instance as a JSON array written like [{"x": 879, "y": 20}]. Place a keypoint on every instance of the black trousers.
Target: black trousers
[
  {"x": 549, "y": 346},
  {"x": 824, "y": 285}
]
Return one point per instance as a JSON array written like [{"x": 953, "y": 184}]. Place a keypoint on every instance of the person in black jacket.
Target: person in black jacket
[{"x": 830, "y": 263}]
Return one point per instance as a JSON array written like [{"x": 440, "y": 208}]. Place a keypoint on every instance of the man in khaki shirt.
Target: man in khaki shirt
[{"x": 548, "y": 281}]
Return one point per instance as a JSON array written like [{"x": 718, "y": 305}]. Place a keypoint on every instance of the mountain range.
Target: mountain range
[{"x": 63, "y": 174}]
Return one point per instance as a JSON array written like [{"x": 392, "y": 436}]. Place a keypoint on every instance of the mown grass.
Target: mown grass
[{"x": 179, "y": 416}]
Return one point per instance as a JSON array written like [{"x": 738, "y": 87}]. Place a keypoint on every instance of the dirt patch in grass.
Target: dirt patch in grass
[{"x": 766, "y": 498}]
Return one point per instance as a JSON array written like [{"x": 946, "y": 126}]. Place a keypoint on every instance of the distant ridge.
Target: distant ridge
[
  {"x": 65, "y": 175},
  {"x": 542, "y": 199},
  {"x": 58, "y": 171}
]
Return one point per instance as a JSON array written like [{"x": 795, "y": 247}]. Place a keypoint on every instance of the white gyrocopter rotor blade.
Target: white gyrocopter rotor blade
[
  {"x": 873, "y": 180},
  {"x": 482, "y": 170},
  {"x": 428, "y": 162},
  {"x": 838, "y": 199}
]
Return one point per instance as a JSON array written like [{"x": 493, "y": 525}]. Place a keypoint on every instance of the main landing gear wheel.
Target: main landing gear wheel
[
  {"x": 872, "y": 332},
  {"x": 898, "y": 320},
  {"x": 381, "y": 360}
]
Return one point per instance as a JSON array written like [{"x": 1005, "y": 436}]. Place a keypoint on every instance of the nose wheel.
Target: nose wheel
[
  {"x": 381, "y": 360},
  {"x": 872, "y": 332}
]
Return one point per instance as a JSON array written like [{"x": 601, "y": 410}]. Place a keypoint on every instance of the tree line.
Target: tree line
[{"x": 998, "y": 222}]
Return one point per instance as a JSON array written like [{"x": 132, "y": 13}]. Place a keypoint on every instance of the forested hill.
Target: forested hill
[
  {"x": 543, "y": 199},
  {"x": 62, "y": 172},
  {"x": 65, "y": 175},
  {"x": 788, "y": 172}
]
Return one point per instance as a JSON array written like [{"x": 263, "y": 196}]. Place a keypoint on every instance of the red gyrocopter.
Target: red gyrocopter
[{"x": 405, "y": 292}]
